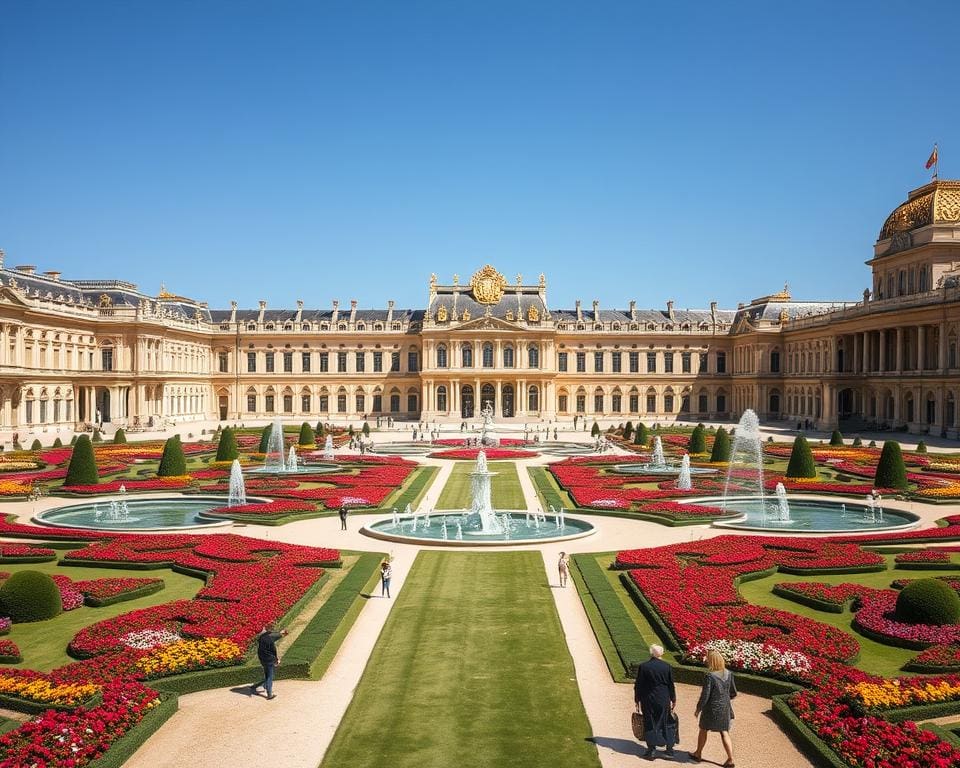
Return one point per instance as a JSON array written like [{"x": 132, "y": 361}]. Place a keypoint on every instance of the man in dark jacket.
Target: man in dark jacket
[
  {"x": 268, "y": 657},
  {"x": 343, "y": 517},
  {"x": 656, "y": 698}
]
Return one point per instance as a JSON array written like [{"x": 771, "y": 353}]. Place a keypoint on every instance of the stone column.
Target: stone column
[
  {"x": 899, "y": 367},
  {"x": 857, "y": 352},
  {"x": 942, "y": 348},
  {"x": 883, "y": 351},
  {"x": 499, "y": 396},
  {"x": 921, "y": 347},
  {"x": 866, "y": 351}
]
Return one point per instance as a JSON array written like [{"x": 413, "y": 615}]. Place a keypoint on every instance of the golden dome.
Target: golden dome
[{"x": 934, "y": 203}]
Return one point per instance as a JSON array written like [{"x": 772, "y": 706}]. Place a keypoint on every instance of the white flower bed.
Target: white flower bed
[
  {"x": 145, "y": 639},
  {"x": 755, "y": 657}
]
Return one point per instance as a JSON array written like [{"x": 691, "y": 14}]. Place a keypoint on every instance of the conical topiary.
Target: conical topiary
[
  {"x": 698, "y": 441},
  {"x": 58, "y": 443},
  {"x": 227, "y": 446},
  {"x": 366, "y": 429},
  {"x": 306, "y": 435},
  {"x": 595, "y": 430},
  {"x": 921, "y": 447},
  {"x": 891, "y": 471},
  {"x": 801, "y": 460},
  {"x": 641, "y": 436},
  {"x": 264, "y": 439},
  {"x": 721, "y": 446},
  {"x": 82, "y": 469},
  {"x": 836, "y": 439},
  {"x": 173, "y": 463},
  {"x": 628, "y": 430},
  {"x": 119, "y": 437},
  {"x": 318, "y": 430},
  {"x": 97, "y": 437},
  {"x": 857, "y": 442},
  {"x": 36, "y": 445},
  {"x": 73, "y": 440}
]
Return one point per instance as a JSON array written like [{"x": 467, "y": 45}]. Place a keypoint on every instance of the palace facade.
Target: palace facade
[{"x": 76, "y": 351}]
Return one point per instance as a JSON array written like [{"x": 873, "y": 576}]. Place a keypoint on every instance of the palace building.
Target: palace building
[{"x": 75, "y": 350}]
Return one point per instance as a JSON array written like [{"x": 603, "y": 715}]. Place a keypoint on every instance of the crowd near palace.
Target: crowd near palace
[{"x": 76, "y": 352}]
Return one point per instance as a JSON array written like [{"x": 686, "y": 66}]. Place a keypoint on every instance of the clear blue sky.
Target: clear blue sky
[{"x": 319, "y": 150}]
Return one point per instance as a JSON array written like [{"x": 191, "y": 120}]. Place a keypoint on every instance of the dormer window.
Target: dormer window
[
  {"x": 342, "y": 327},
  {"x": 651, "y": 327},
  {"x": 269, "y": 326},
  {"x": 561, "y": 326},
  {"x": 615, "y": 327},
  {"x": 397, "y": 327},
  {"x": 361, "y": 327},
  {"x": 224, "y": 326},
  {"x": 305, "y": 327},
  {"x": 581, "y": 327},
  {"x": 634, "y": 326},
  {"x": 288, "y": 327},
  {"x": 324, "y": 326},
  {"x": 251, "y": 326},
  {"x": 598, "y": 326},
  {"x": 378, "y": 326}
]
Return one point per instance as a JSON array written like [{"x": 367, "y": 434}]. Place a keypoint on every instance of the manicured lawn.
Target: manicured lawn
[
  {"x": 43, "y": 644},
  {"x": 506, "y": 492},
  {"x": 471, "y": 670}
]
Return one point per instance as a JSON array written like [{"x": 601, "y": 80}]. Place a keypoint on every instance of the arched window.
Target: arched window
[
  {"x": 441, "y": 398},
  {"x": 533, "y": 399},
  {"x": 508, "y": 357},
  {"x": 488, "y": 355},
  {"x": 411, "y": 402},
  {"x": 598, "y": 400},
  {"x": 466, "y": 355},
  {"x": 533, "y": 356},
  {"x": 395, "y": 401},
  {"x": 442, "y": 356}
]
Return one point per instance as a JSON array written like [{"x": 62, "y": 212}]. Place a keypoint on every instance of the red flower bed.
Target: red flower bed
[
  {"x": 9, "y": 652},
  {"x": 834, "y": 594},
  {"x": 938, "y": 657},
  {"x": 269, "y": 509},
  {"x": 12, "y": 553},
  {"x": 509, "y": 442},
  {"x": 113, "y": 486},
  {"x": 493, "y": 454},
  {"x": 934, "y": 556}
]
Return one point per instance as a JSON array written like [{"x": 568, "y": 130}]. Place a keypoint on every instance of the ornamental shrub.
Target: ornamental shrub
[
  {"x": 119, "y": 437},
  {"x": 264, "y": 439},
  {"x": 641, "y": 436},
  {"x": 82, "y": 469},
  {"x": 836, "y": 439},
  {"x": 172, "y": 463},
  {"x": 36, "y": 445},
  {"x": 928, "y": 601},
  {"x": 366, "y": 429},
  {"x": 698, "y": 441},
  {"x": 628, "y": 430},
  {"x": 30, "y": 596},
  {"x": 318, "y": 430},
  {"x": 921, "y": 447},
  {"x": 306, "y": 435},
  {"x": 721, "y": 446},
  {"x": 58, "y": 443},
  {"x": 872, "y": 444},
  {"x": 73, "y": 440},
  {"x": 857, "y": 442},
  {"x": 350, "y": 430},
  {"x": 97, "y": 437},
  {"x": 801, "y": 459},
  {"x": 891, "y": 471},
  {"x": 595, "y": 430},
  {"x": 227, "y": 446}
]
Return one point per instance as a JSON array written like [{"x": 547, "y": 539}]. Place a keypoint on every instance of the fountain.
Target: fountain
[
  {"x": 480, "y": 496},
  {"x": 747, "y": 452},
  {"x": 328, "y": 448},
  {"x": 274, "y": 460},
  {"x": 657, "y": 459},
  {"x": 780, "y": 513},
  {"x": 684, "y": 483},
  {"x": 237, "y": 494},
  {"x": 657, "y": 465},
  {"x": 292, "y": 459}
]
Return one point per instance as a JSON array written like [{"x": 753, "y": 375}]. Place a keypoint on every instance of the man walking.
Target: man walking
[
  {"x": 343, "y": 517},
  {"x": 267, "y": 655},
  {"x": 656, "y": 697}
]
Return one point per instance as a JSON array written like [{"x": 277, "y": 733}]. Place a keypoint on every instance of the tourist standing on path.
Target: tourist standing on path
[
  {"x": 386, "y": 573},
  {"x": 564, "y": 566},
  {"x": 343, "y": 517},
  {"x": 656, "y": 697},
  {"x": 267, "y": 655},
  {"x": 714, "y": 708}
]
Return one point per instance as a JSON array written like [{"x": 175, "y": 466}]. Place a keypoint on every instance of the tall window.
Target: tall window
[
  {"x": 721, "y": 365},
  {"x": 305, "y": 403},
  {"x": 288, "y": 362},
  {"x": 668, "y": 362},
  {"x": 251, "y": 362},
  {"x": 361, "y": 360},
  {"x": 324, "y": 362},
  {"x": 616, "y": 402},
  {"x": 651, "y": 362},
  {"x": 341, "y": 362},
  {"x": 703, "y": 362},
  {"x": 702, "y": 405},
  {"x": 305, "y": 361},
  {"x": 775, "y": 362},
  {"x": 324, "y": 403},
  {"x": 412, "y": 364},
  {"x": 598, "y": 402},
  {"x": 342, "y": 402},
  {"x": 634, "y": 402},
  {"x": 106, "y": 359},
  {"x": 395, "y": 363},
  {"x": 441, "y": 398},
  {"x": 562, "y": 403},
  {"x": 394, "y": 403},
  {"x": 651, "y": 403},
  {"x": 466, "y": 356},
  {"x": 533, "y": 356},
  {"x": 686, "y": 366},
  {"x": 268, "y": 404},
  {"x": 598, "y": 361},
  {"x": 288, "y": 403},
  {"x": 721, "y": 403},
  {"x": 251, "y": 403},
  {"x": 411, "y": 403},
  {"x": 562, "y": 362},
  {"x": 616, "y": 362},
  {"x": 668, "y": 403},
  {"x": 634, "y": 362},
  {"x": 223, "y": 362},
  {"x": 377, "y": 403},
  {"x": 487, "y": 355},
  {"x": 581, "y": 362},
  {"x": 378, "y": 362},
  {"x": 581, "y": 403},
  {"x": 268, "y": 358},
  {"x": 508, "y": 357},
  {"x": 361, "y": 403},
  {"x": 442, "y": 358},
  {"x": 533, "y": 399}
]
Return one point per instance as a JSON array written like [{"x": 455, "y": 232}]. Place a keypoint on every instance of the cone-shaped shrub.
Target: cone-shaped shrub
[
  {"x": 264, "y": 439},
  {"x": 836, "y": 439},
  {"x": 73, "y": 440},
  {"x": 698, "y": 441},
  {"x": 891, "y": 471},
  {"x": 119, "y": 437},
  {"x": 857, "y": 442},
  {"x": 82, "y": 469},
  {"x": 921, "y": 447},
  {"x": 801, "y": 460},
  {"x": 641, "y": 436},
  {"x": 227, "y": 446},
  {"x": 30, "y": 596},
  {"x": 595, "y": 430},
  {"x": 306, "y": 435},
  {"x": 173, "y": 463},
  {"x": 58, "y": 443},
  {"x": 97, "y": 437},
  {"x": 366, "y": 429},
  {"x": 928, "y": 601},
  {"x": 350, "y": 430},
  {"x": 721, "y": 446},
  {"x": 36, "y": 445},
  {"x": 628, "y": 430},
  {"x": 318, "y": 430}
]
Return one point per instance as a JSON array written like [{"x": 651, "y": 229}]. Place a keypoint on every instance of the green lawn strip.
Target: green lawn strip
[
  {"x": 472, "y": 670},
  {"x": 412, "y": 491},
  {"x": 43, "y": 644},
  {"x": 548, "y": 490},
  {"x": 506, "y": 492}
]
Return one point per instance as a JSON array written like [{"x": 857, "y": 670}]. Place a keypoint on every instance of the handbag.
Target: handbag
[{"x": 636, "y": 723}]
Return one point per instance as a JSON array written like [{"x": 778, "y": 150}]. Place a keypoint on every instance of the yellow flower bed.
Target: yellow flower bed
[
  {"x": 44, "y": 692},
  {"x": 889, "y": 694},
  {"x": 14, "y": 488},
  {"x": 17, "y": 466},
  {"x": 944, "y": 466},
  {"x": 942, "y": 492},
  {"x": 189, "y": 655}
]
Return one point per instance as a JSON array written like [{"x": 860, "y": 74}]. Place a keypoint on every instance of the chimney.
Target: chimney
[
  {"x": 390, "y": 311},
  {"x": 670, "y": 309},
  {"x": 299, "y": 310},
  {"x": 633, "y": 310},
  {"x": 263, "y": 306},
  {"x": 353, "y": 310},
  {"x": 27, "y": 269},
  {"x": 596, "y": 311},
  {"x": 336, "y": 311},
  {"x": 579, "y": 311},
  {"x": 52, "y": 274}
]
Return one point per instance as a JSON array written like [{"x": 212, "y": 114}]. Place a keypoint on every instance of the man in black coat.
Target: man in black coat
[
  {"x": 268, "y": 657},
  {"x": 656, "y": 698}
]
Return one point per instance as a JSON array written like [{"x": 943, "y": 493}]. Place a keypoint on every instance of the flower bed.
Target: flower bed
[
  {"x": 936, "y": 658},
  {"x": 923, "y": 558},
  {"x": 39, "y": 689},
  {"x": 9, "y": 652},
  {"x": 492, "y": 454},
  {"x": 875, "y": 618},
  {"x": 188, "y": 656},
  {"x": 826, "y": 597},
  {"x": 755, "y": 657},
  {"x": 880, "y": 696},
  {"x": 269, "y": 509},
  {"x": 24, "y": 553}
]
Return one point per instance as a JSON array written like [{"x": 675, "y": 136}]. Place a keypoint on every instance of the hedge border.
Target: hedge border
[
  {"x": 123, "y": 748},
  {"x": 816, "y": 749},
  {"x": 811, "y": 602},
  {"x": 28, "y": 559},
  {"x": 131, "y": 594}
]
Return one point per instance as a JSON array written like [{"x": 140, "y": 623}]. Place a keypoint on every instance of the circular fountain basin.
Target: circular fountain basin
[
  {"x": 810, "y": 516},
  {"x": 302, "y": 469},
  {"x": 565, "y": 449},
  {"x": 152, "y": 514},
  {"x": 406, "y": 449},
  {"x": 659, "y": 469},
  {"x": 522, "y": 533}
]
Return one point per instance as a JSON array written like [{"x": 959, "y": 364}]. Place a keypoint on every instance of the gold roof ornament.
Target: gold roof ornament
[
  {"x": 543, "y": 280},
  {"x": 533, "y": 314},
  {"x": 934, "y": 203},
  {"x": 510, "y": 315},
  {"x": 466, "y": 315},
  {"x": 105, "y": 301},
  {"x": 488, "y": 285},
  {"x": 164, "y": 293},
  {"x": 784, "y": 295},
  {"x": 784, "y": 316},
  {"x": 441, "y": 314}
]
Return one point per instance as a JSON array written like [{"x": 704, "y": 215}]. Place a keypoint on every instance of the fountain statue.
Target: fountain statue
[
  {"x": 657, "y": 459},
  {"x": 480, "y": 503},
  {"x": 486, "y": 429},
  {"x": 237, "y": 495},
  {"x": 746, "y": 459},
  {"x": 684, "y": 483},
  {"x": 328, "y": 448},
  {"x": 274, "y": 461}
]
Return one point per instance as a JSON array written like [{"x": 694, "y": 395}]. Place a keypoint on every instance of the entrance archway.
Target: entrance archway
[
  {"x": 222, "y": 403},
  {"x": 488, "y": 395},
  {"x": 466, "y": 402},
  {"x": 845, "y": 404},
  {"x": 508, "y": 401}
]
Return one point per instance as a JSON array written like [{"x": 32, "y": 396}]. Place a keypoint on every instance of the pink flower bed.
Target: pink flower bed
[
  {"x": 9, "y": 651},
  {"x": 876, "y": 616}
]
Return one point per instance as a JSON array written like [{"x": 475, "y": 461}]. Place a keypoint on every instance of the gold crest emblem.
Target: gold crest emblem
[
  {"x": 533, "y": 314},
  {"x": 441, "y": 314},
  {"x": 487, "y": 285}
]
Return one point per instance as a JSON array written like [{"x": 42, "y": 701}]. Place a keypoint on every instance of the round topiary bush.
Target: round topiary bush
[
  {"x": 801, "y": 460},
  {"x": 30, "y": 596},
  {"x": 721, "y": 446},
  {"x": 928, "y": 601},
  {"x": 921, "y": 447},
  {"x": 119, "y": 437},
  {"x": 891, "y": 471},
  {"x": 82, "y": 469},
  {"x": 698, "y": 441},
  {"x": 227, "y": 446}
]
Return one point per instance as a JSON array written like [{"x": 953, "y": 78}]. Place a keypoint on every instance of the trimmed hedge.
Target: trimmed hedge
[
  {"x": 891, "y": 471},
  {"x": 306, "y": 435},
  {"x": 698, "y": 441},
  {"x": 30, "y": 596},
  {"x": 227, "y": 446},
  {"x": 82, "y": 469},
  {"x": 641, "y": 436},
  {"x": 928, "y": 601},
  {"x": 133, "y": 594},
  {"x": 721, "y": 446},
  {"x": 809, "y": 601},
  {"x": 97, "y": 437},
  {"x": 836, "y": 439},
  {"x": 119, "y": 437},
  {"x": 810, "y": 744},
  {"x": 264, "y": 439},
  {"x": 123, "y": 748},
  {"x": 801, "y": 460},
  {"x": 173, "y": 463},
  {"x": 595, "y": 430}
]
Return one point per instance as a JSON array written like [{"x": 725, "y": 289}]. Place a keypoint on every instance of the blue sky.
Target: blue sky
[{"x": 319, "y": 150}]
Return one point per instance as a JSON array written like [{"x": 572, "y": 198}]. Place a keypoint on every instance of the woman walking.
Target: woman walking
[
  {"x": 714, "y": 708},
  {"x": 564, "y": 567},
  {"x": 386, "y": 573}
]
